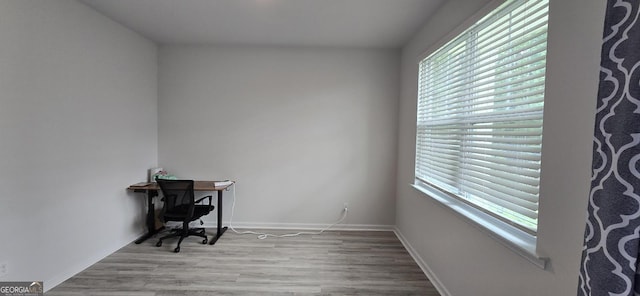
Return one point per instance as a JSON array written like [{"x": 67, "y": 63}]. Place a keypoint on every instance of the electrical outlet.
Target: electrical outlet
[{"x": 4, "y": 269}]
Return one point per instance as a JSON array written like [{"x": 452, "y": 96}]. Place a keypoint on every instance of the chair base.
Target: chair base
[{"x": 183, "y": 233}]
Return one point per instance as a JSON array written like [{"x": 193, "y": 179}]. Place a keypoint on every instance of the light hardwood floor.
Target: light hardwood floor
[{"x": 333, "y": 263}]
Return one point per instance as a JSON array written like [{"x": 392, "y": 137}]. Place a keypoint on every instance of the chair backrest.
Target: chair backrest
[{"x": 178, "y": 199}]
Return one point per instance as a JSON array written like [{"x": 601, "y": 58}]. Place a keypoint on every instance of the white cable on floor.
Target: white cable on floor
[{"x": 262, "y": 235}]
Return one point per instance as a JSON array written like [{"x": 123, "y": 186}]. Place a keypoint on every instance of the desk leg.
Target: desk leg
[
  {"x": 151, "y": 221},
  {"x": 220, "y": 231}
]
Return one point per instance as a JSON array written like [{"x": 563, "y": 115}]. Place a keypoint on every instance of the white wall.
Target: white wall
[
  {"x": 78, "y": 123},
  {"x": 301, "y": 130},
  {"x": 464, "y": 259}
]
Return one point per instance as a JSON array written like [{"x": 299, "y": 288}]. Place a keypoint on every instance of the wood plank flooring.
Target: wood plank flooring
[{"x": 333, "y": 263}]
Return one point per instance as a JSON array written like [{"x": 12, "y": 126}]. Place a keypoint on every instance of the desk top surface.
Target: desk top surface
[{"x": 197, "y": 186}]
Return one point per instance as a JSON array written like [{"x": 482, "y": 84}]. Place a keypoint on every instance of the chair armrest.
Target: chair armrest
[{"x": 208, "y": 196}]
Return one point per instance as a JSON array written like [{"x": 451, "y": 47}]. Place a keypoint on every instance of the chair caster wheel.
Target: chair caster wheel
[
  {"x": 176, "y": 250},
  {"x": 205, "y": 241},
  {"x": 159, "y": 244}
]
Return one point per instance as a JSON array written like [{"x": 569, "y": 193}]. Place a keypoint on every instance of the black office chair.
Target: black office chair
[{"x": 180, "y": 205}]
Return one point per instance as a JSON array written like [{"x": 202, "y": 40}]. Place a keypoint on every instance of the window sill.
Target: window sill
[{"x": 520, "y": 242}]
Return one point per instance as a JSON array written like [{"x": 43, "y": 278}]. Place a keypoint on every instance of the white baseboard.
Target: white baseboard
[
  {"x": 303, "y": 226},
  {"x": 423, "y": 265}
]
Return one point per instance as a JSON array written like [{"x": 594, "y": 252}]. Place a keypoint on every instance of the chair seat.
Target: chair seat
[{"x": 179, "y": 213}]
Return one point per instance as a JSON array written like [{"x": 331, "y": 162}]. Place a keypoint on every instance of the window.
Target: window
[{"x": 479, "y": 118}]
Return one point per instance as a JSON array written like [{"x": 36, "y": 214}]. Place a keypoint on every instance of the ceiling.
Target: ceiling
[{"x": 327, "y": 23}]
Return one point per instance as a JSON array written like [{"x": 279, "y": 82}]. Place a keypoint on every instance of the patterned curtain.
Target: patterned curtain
[{"x": 610, "y": 254}]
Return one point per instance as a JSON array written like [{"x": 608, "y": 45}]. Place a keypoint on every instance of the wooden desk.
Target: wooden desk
[{"x": 152, "y": 189}]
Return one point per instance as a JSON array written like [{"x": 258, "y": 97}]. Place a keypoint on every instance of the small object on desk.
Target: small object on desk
[
  {"x": 162, "y": 174},
  {"x": 153, "y": 172},
  {"x": 222, "y": 183},
  {"x": 141, "y": 184}
]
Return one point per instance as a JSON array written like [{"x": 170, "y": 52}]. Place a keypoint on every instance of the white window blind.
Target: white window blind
[{"x": 480, "y": 103}]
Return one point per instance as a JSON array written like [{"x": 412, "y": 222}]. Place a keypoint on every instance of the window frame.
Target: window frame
[{"x": 522, "y": 242}]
